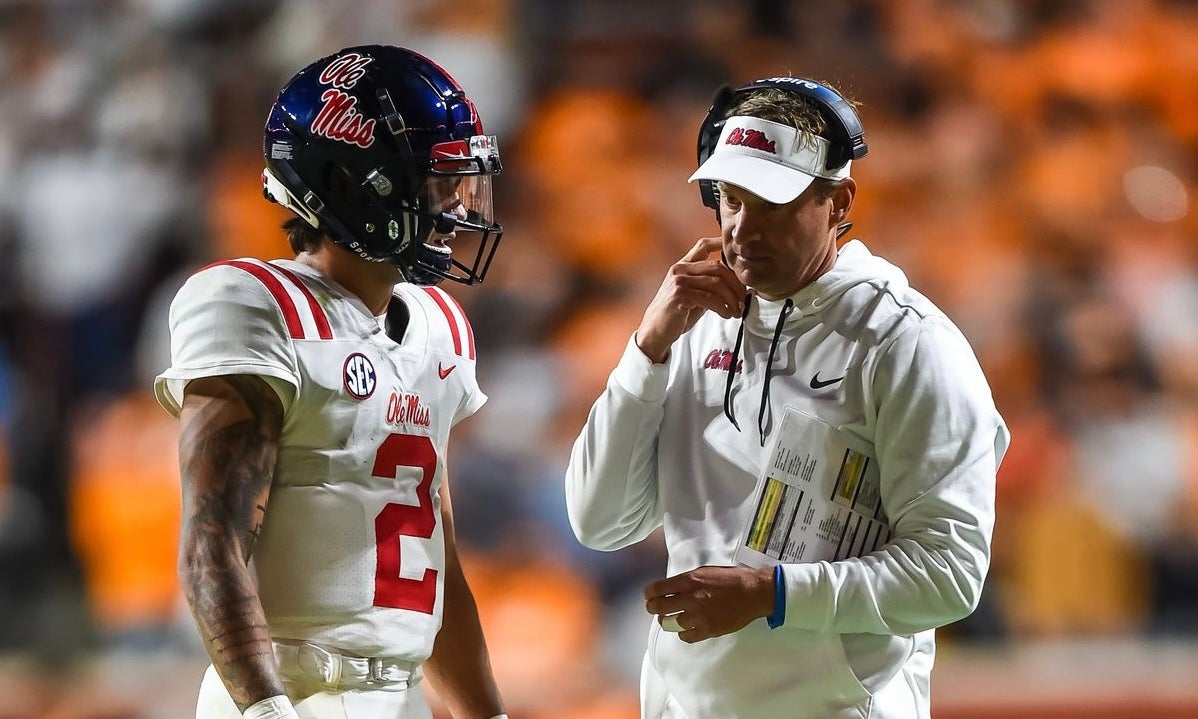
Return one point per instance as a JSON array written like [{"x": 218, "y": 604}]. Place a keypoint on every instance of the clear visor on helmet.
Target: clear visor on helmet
[
  {"x": 458, "y": 190},
  {"x": 459, "y": 222},
  {"x": 459, "y": 202}
]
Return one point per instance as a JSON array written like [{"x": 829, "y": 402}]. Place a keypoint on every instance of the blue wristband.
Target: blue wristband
[{"x": 776, "y": 619}]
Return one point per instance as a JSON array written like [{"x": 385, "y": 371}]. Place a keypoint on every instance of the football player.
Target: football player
[{"x": 316, "y": 398}]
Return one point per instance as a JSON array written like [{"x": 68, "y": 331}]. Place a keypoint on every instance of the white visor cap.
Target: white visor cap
[{"x": 776, "y": 162}]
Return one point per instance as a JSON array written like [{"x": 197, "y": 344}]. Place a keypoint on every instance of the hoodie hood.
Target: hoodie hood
[{"x": 855, "y": 265}]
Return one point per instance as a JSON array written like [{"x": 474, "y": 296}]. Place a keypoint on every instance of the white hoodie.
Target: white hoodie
[{"x": 657, "y": 450}]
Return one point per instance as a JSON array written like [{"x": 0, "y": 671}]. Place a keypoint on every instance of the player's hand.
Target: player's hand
[
  {"x": 694, "y": 285},
  {"x": 711, "y": 601}
]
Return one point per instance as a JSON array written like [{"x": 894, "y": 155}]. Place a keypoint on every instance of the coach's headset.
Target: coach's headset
[{"x": 846, "y": 136}]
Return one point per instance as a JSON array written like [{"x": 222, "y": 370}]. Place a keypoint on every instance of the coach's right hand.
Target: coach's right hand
[{"x": 696, "y": 283}]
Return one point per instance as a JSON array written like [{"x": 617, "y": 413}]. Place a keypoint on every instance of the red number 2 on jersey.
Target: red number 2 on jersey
[{"x": 404, "y": 520}]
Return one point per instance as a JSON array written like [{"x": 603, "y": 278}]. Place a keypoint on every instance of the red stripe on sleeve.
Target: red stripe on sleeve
[
  {"x": 322, "y": 320},
  {"x": 286, "y": 304},
  {"x": 453, "y": 325},
  {"x": 469, "y": 329}
]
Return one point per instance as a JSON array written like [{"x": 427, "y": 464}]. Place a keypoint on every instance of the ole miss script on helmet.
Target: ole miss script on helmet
[{"x": 338, "y": 120}]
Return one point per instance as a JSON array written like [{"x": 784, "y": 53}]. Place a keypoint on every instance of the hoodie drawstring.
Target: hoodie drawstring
[
  {"x": 769, "y": 367},
  {"x": 740, "y": 336},
  {"x": 787, "y": 309}
]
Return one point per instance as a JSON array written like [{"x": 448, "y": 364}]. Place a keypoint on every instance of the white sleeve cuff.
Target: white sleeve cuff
[
  {"x": 809, "y": 600},
  {"x": 276, "y": 707},
  {"x": 639, "y": 376}
]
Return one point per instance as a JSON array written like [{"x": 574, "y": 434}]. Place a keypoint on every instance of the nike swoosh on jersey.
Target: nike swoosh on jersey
[
  {"x": 817, "y": 383},
  {"x": 445, "y": 372}
]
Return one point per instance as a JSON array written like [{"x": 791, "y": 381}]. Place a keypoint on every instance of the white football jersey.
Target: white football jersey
[{"x": 352, "y": 551}]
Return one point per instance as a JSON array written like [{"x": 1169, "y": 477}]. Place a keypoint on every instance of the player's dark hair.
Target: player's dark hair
[{"x": 301, "y": 236}]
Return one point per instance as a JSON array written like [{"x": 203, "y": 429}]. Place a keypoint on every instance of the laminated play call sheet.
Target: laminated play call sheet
[{"x": 818, "y": 498}]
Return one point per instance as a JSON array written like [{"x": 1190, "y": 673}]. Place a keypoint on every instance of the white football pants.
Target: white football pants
[{"x": 215, "y": 703}]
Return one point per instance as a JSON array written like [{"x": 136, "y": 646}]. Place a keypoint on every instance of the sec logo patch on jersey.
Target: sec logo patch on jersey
[{"x": 359, "y": 376}]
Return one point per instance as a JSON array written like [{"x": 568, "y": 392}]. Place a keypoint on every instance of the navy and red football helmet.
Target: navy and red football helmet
[{"x": 380, "y": 149}]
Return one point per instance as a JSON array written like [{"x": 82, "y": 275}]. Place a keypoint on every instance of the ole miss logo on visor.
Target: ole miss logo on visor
[
  {"x": 339, "y": 118},
  {"x": 755, "y": 139}
]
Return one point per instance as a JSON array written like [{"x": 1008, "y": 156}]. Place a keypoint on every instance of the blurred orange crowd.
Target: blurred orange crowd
[{"x": 1032, "y": 167}]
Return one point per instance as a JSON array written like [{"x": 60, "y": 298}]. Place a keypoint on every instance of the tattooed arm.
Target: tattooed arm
[{"x": 227, "y": 451}]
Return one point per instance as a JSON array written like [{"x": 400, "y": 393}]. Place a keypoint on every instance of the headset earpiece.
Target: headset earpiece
[{"x": 709, "y": 135}]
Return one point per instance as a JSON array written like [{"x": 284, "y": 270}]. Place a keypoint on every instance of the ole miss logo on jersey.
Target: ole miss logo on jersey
[
  {"x": 407, "y": 408},
  {"x": 358, "y": 376}
]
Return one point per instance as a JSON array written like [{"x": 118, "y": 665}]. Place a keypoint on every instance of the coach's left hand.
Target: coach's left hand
[{"x": 712, "y": 601}]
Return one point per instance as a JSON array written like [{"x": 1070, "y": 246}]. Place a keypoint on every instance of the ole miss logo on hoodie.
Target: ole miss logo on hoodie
[{"x": 721, "y": 360}]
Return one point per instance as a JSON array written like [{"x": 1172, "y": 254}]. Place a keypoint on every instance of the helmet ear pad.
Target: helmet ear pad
[
  {"x": 339, "y": 183},
  {"x": 346, "y": 209}
]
